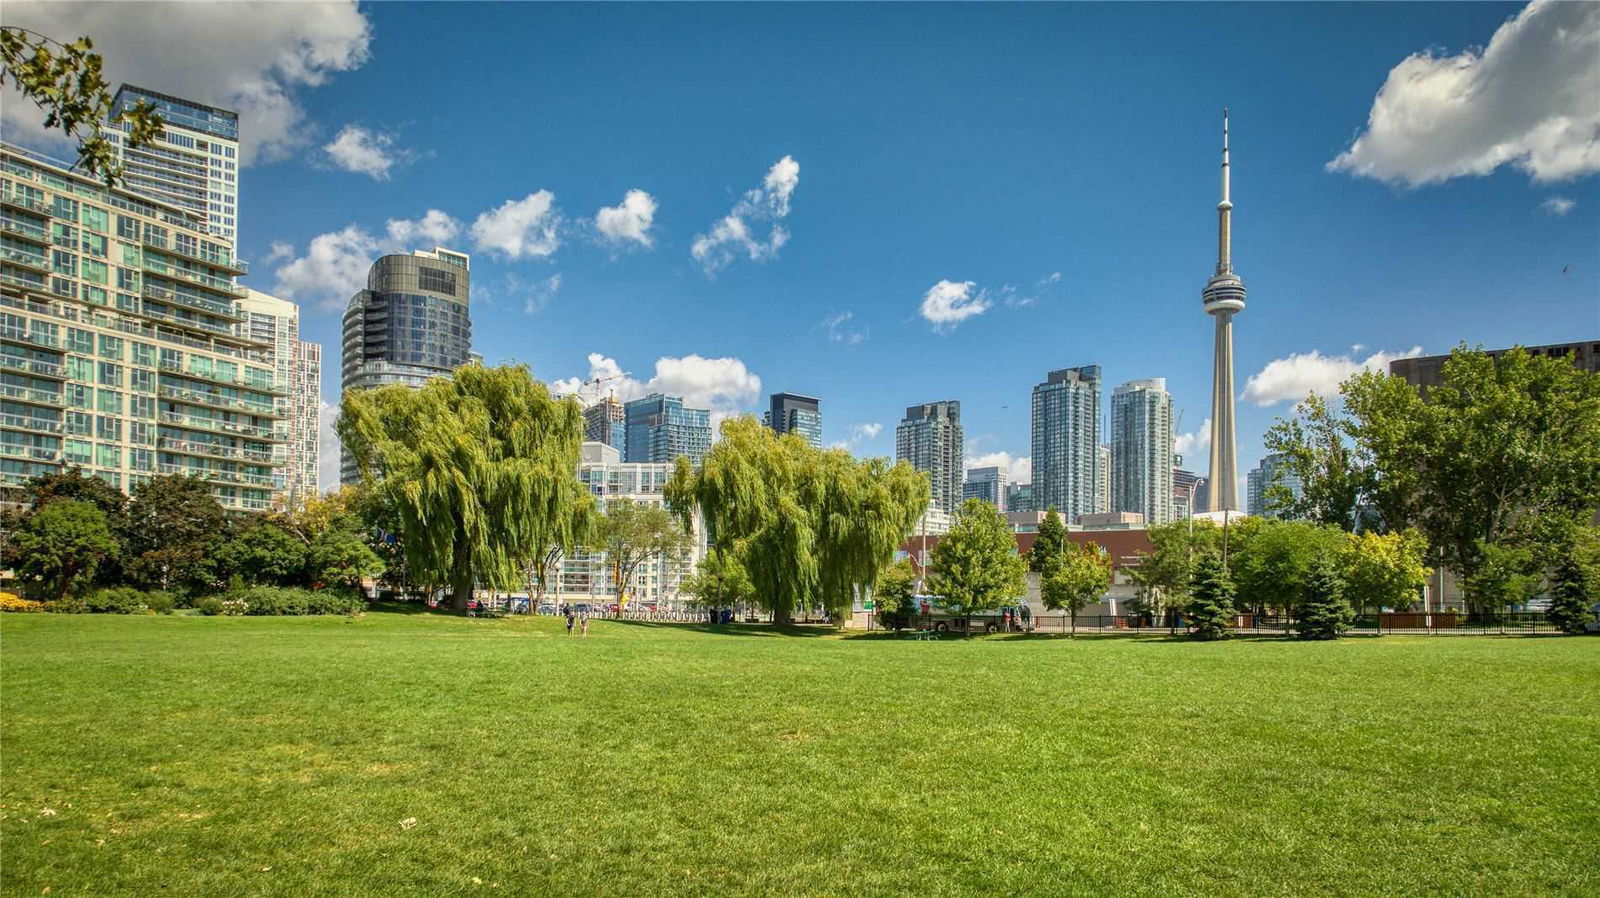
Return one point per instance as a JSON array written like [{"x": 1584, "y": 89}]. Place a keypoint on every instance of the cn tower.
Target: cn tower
[{"x": 1222, "y": 299}]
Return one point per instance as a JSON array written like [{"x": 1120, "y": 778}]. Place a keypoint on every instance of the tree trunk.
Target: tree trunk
[
  {"x": 461, "y": 575},
  {"x": 781, "y": 617}
]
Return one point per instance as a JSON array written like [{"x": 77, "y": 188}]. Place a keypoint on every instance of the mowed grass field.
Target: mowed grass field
[{"x": 253, "y": 756}]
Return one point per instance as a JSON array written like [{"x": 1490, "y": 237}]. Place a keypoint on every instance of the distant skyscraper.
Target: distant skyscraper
[
  {"x": 793, "y": 413},
  {"x": 1102, "y": 480},
  {"x": 1185, "y": 494},
  {"x": 988, "y": 484},
  {"x": 1019, "y": 497},
  {"x": 1141, "y": 449},
  {"x": 298, "y": 365},
  {"x": 1066, "y": 441},
  {"x": 603, "y": 422},
  {"x": 659, "y": 429},
  {"x": 410, "y": 324},
  {"x": 1202, "y": 494},
  {"x": 1223, "y": 298},
  {"x": 193, "y": 164},
  {"x": 1274, "y": 469},
  {"x": 930, "y": 437}
]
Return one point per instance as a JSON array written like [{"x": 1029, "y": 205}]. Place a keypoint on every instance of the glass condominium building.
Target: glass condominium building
[
  {"x": 1273, "y": 470},
  {"x": 793, "y": 413},
  {"x": 298, "y": 365},
  {"x": 988, "y": 484},
  {"x": 1141, "y": 449},
  {"x": 123, "y": 348},
  {"x": 410, "y": 324},
  {"x": 193, "y": 165},
  {"x": 1066, "y": 441},
  {"x": 659, "y": 429},
  {"x": 603, "y": 423},
  {"x": 931, "y": 439}
]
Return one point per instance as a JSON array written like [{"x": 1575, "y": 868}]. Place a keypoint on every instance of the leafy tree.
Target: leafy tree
[
  {"x": 62, "y": 543},
  {"x": 339, "y": 556},
  {"x": 1074, "y": 578},
  {"x": 815, "y": 526},
  {"x": 720, "y": 581},
  {"x": 39, "y": 491},
  {"x": 1324, "y": 612},
  {"x": 1384, "y": 570},
  {"x": 1570, "y": 598},
  {"x": 64, "y": 80},
  {"x": 174, "y": 527},
  {"x": 262, "y": 553},
  {"x": 976, "y": 566},
  {"x": 1335, "y": 480},
  {"x": 1210, "y": 611},
  {"x": 635, "y": 532},
  {"x": 478, "y": 467},
  {"x": 1270, "y": 561},
  {"x": 894, "y": 599},
  {"x": 1049, "y": 543},
  {"x": 1502, "y": 575},
  {"x": 1164, "y": 574},
  {"x": 582, "y": 525}
]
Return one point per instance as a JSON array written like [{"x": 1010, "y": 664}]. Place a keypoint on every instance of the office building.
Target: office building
[
  {"x": 793, "y": 413},
  {"x": 1141, "y": 449},
  {"x": 1019, "y": 497},
  {"x": 1273, "y": 470},
  {"x": 410, "y": 324},
  {"x": 659, "y": 430},
  {"x": 1066, "y": 441},
  {"x": 603, "y": 422},
  {"x": 193, "y": 165},
  {"x": 298, "y": 368},
  {"x": 1223, "y": 298},
  {"x": 1428, "y": 371},
  {"x": 988, "y": 484},
  {"x": 930, "y": 438},
  {"x": 1185, "y": 501},
  {"x": 122, "y": 341}
]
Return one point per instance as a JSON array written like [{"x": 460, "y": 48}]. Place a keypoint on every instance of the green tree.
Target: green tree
[
  {"x": 262, "y": 554},
  {"x": 1211, "y": 610},
  {"x": 339, "y": 556},
  {"x": 72, "y": 483},
  {"x": 478, "y": 467},
  {"x": 1270, "y": 561},
  {"x": 1049, "y": 543},
  {"x": 719, "y": 581},
  {"x": 975, "y": 565},
  {"x": 1570, "y": 598},
  {"x": 815, "y": 526},
  {"x": 1384, "y": 570},
  {"x": 894, "y": 599},
  {"x": 1503, "y": 575},
  {"x": 1324, "y": 612},
  {"x": 1336, "y": 481},
  {"x": 174, "y": 526},
  {"x": 1164, "y": 574},
  {"x": 61, "y": 543},
  {"x": 64, "y": 81},
  {"x": 632, "y": 533},
  {"x": 1074, "y": 578}
]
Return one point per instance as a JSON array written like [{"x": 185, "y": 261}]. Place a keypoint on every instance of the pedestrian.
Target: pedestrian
[
  {"x": 585, "y": 619},
  {"x": 570, "y": 620}
]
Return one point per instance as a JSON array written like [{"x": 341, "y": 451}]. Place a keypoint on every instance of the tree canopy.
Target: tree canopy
[
  {"x": 632, "y": 533},
  {"x": 1074, "y": 577},
  {"x": 975, "y": 565},
  {"x": 174, "y": 526},
  {"x": 61, "y": 543}
]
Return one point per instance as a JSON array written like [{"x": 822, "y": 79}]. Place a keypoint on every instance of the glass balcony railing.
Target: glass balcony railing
[
  {"x": 32, "y": 453},
  {"x": 17, "y": 279},
  {"x": 10, "y": 198},
  {"x": 24, "y": 229},
  {"x": 18, "y": 257},
  {"x": 213, "y": 450},
  {"x": 32, "y": 425},
  {"x": 208, "y": 281},
  {"x": 199, "y": 422},
  {"x": 215, "y": 400},
  {"x": 30, "y": 394},
  {"x": 33, "y": 366},
  {"x": 237, "y": 266},
  {"x": 217, "y": 476},
  {"x": 235, "y": 381}
]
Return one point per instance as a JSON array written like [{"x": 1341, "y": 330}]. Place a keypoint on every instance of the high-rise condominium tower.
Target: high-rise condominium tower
[
  {"x": 298, "y": 365},
  {"x": 1273, "y": 471},
  {"x": 930, "y": 437},
  {"x": 988, "y": 484},
  {"x": 1223, "y": 298},
  {"x": 1102, "y": 480},
  {"x": 1066, "y": 441},
  {"x": 603, "y": 423},
  {"x": 410, "y": 324},
  {"x": 1141, "y": 449},
  {"x": 793, "y": 413},
  {"x": 121, "y": 341},
  {"x": 193, "y": 165},
  {"x": 659, "y": 429}
]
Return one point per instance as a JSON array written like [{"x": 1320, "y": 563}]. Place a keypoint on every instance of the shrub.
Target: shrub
[
  {"x": 263, "y": 601},
  {"x": 13, "y": 602},
  {"x": 1324, "y": 613},
  {"x": 160, "y": 602},
  {"x": 210, "y": 606},
  {"x": 114, "y": 600}
]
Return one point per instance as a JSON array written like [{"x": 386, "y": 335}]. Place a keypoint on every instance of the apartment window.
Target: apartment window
[
  {"x": 78, "y": 423},
  {"x": 131, "y": 256},
  {"x": 108, "y": 429},
  {"x": 64, "y": 287},
  {"x": 127, "y": 228},
  {"x": 111, "y": 347},
  {"x": 141, "y": 459},
  {"x": 78, "y": 452},
  {"x": 109, "y": 401},
  {"x": 66, "y": 207},
  {"x": 144, "y": 354},
  {"x": 80, "y": 341},
  {"x": 127, "y": 280},
  {"x": 96, "y": 295},
  {"x": 110, "y": 374},
  {"x": 127, "y": 302},
  {"x": 95, "y": 245},
  {"x": 80, "y": 369},
  {"x": 95, "y": 273},
  {"x": 141, "y": 407},
  {"x": 108, "y": 457},
  {"x": 96, "y": 219},
  {"x": 63, "y": 262}
]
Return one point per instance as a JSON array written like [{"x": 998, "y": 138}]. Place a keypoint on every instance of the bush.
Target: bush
[
  {"x": 13, "y": 602},
  {"x": 210, "y": 606},
  {"x": 160, "y": 602},
  {"x": 265, "y": 601},
  {"x": 115, "y": 600}
]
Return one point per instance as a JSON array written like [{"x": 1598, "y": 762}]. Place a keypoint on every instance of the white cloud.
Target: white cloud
[
  {"x": 723, "y": 385},
  {"x": 519, "y": 228},
  {"x": 859, "y": 434},
  {"x": 948, "y": 303},
  {"x": 281, "y": 249},
  {"x": 1015, "y": 298},
  {"x": 1292, "y": 379},
  {"x": 328, "y": 446},
  {"x": 841, "y": 331},
  {"x": 1558, "y": 205},
  {"x": 366, "y": 152},
  {"x": 1019, "y": 469},
  {"x": 254, "y": 58},
  {"x": 539, "y": 294},
  {"x": 735, "y": 232},
  {"x": 1530, "y": 99},
  {"x": 1195, "y": 445},
  {"x": 335, "y": 264},
  {"x": 629, "y": 221}
]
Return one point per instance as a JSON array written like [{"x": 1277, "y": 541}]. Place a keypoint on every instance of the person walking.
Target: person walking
[
  {"x": 570, "y": 619},
  {"x": 584, "y": 619}
]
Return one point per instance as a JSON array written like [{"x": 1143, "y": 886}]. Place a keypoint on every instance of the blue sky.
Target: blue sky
[{"x": 1000, "y": 145}]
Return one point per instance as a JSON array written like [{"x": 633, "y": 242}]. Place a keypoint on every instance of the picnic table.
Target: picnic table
[{"x": 920, "y": 635}]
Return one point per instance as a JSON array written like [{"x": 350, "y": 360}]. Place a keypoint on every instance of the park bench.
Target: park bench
[{"x": 920, "y": 635}]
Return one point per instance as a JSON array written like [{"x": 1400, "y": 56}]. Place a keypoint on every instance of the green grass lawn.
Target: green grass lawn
[{"x": 255, "y": 756}]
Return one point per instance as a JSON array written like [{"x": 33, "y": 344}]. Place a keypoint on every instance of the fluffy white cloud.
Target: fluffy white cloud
[
  {"x": 724, "y": 385},
  {"x": 859, "y": 434},
  {"x": 520, "y": 228},
  {"x": 1558, "y": 205},
  {"x": 735, "y": 233},
  {"x": 1528, "y": 99},
  {"x": 1292, "y": 379},
  {"x": 328, "y": 447},
  {"x": 840, "y": 330},
  {"x": 948, "y": 303},
  {"x": 628, "y": 222},
  {"x": 539, "y": 294},
  {"x": 335, "y": 264},
  {"x": 254, "y": 58},
  {"x": 1019, "y": 469},
  {"x": 366, "y": 152},
  {"x": 1195, "y": 445}
]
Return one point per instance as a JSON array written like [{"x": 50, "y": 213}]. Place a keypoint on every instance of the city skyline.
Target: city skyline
[{"x": 1025, "y": 263}]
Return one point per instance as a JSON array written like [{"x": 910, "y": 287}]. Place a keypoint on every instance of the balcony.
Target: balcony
[
  {"x": 31, "y": 395},
  {"x": 36, "y": 261},
  {"x": 29, "y": 338},
  {"x": 212, "y": 425},
  {"x": 24, "y": 229},
  {"x": 207, "y": 281},
  {"x": 28, "y": 204},
  {"x": 17, "y": 280},
  {"x": 236, "y": 266},
  {"x": 204, "y": 449},
  {"x": 215, "y": 400},
  {"x": 234, "y": 477},
  {"x": 175, "y": 368},
  {"x": 31, "y": 425},
  {"x": 31, "y": 453},
  {"x": 52, "y": 370}
]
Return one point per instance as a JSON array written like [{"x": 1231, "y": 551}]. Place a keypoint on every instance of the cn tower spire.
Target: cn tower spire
[
  {"x": 1224, "y": 210},
  {"x": 1223, "y": 298}
]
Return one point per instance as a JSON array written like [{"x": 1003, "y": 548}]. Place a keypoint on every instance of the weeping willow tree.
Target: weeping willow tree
[
  {"x": 481, "y": 468},
  {"x": 813, "y": 525}
]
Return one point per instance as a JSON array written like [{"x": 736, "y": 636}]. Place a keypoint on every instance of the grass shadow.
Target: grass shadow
[{"x": 801, "y": 630}]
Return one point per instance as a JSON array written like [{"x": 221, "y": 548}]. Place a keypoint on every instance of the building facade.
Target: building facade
[
  {"x": 298, "y": 366},
  {"x": 603, "y": 422},
  {"x": 931, "y": 439},
  {"x": 1019, "y": 497},
  {"x": 1185, "y": 490},
  {"x": 123, "y": 340},
  {"x": 1273, "y": 470},
  {"x": 1141, "y": 449},
  {"x": 988, "y": 484},
  {"x": 1102, "y": 480},
  {"x": 793, "y": 413},
  {"x": 659, "y": 430},
  {"x": 193, "y": 165},
  {"x": 1428, "y": 371},
  {"x": 1066, "y": 441},
  {"x": 412, "y": 323}
]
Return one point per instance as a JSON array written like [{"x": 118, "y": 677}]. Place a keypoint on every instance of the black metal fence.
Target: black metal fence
[{"x": 1447, "y": 623}]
